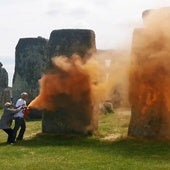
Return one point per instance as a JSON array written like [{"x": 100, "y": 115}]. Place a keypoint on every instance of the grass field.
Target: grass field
[{"x": 109, "y": 149}]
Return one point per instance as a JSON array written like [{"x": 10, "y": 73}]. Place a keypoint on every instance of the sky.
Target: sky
[{"x": 112, "y": 21}]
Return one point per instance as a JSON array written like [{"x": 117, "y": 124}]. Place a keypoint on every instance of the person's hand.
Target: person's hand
[{"x": 23, "y": 107}]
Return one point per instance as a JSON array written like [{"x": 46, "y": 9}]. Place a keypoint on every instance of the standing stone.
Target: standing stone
[
  {"x": 69, "y": 41},
  {"x": 3, "y": 86},
  {"x": 149, "y": 84},
  {"x": 71, "y": 116},
  {"x": 30, "y": 62}
]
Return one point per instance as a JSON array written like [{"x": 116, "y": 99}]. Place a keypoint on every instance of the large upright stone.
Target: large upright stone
[
  {"x": 3, "y": 86},
  {"x": 70, "y": 41},
  {"x": 149, "y": 92},
  {"x": 71, "y": 116},
  {"x": 30, "y": 62}
]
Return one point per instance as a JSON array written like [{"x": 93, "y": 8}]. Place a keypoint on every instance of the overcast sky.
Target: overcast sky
[{"x": 112, "y": 20}]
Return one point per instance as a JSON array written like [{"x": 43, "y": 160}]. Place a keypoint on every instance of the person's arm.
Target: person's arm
[{"x": 13, "y": 111}]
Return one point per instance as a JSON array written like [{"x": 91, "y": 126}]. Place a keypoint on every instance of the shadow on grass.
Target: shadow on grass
[{"x": 157, "y": 150}]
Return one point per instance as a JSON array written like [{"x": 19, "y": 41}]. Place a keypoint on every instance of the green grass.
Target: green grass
[{"x": 104, "y": 151}]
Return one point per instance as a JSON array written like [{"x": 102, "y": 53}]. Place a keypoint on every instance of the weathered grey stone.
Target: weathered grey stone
[
  {"x": 70, "y": 41},
  {"x": 71, "y": 116},
  {"x": 4, "y": 97},
  {"x": 30, "y": 63}
]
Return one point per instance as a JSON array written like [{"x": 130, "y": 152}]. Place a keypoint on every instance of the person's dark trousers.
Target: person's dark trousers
[
  {"x": 19, "y": 124},
  {"x": 10, "y": 135}
]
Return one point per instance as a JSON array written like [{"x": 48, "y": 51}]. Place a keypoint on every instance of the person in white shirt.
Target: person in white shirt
[{"x": 19, "y": 118}]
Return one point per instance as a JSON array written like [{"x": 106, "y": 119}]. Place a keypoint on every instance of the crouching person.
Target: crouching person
[{"x": 6, "y": 120}]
